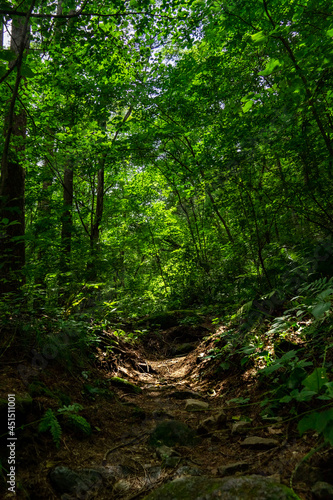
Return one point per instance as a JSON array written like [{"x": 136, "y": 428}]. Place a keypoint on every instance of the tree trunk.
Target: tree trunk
[
  {"x": 67, "y": 219},
  {"x": 12, "y": 184}
]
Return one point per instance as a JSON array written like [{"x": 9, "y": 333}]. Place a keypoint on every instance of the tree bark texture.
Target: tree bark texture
[{"x": 12, "y": 184}]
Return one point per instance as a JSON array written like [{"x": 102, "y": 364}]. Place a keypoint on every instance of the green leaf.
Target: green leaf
[
  {"x": 270, "y": 67},
  {"x": 316, "y": 380},
  {"x": 7, "y": 55},
  {"x": 286, "y": 399},
  {"x": 271, "y": 368},
  {"x": 306, "y": 423},
  {"x": 259, "y": 37},
  {"x": 288, "y": 355},
  {"x": 27, "y": 71},
  {"x": 247, "y": 106},
  {"x": 329, "y": 32},
  {"x": 319, "y": 310}
]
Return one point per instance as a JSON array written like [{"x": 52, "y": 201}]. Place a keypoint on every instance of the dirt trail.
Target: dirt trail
[
  {"x": 167, "y": 385},
  {"x": 123, "y": 422}
]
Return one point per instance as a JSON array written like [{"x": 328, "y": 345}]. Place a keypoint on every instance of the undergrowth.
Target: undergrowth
[{"x": 51, "y": 422}]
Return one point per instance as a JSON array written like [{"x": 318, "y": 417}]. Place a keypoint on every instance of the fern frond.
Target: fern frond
[
  {"x": 75, "y": 407},
  {"x": 50, "y": 423},
  {"x": 78, "y": 423}
]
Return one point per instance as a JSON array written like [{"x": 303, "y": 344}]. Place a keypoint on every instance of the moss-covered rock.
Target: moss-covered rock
[
  {"x": 228, "y": 488},
  {"x": 125, "y": 385}
]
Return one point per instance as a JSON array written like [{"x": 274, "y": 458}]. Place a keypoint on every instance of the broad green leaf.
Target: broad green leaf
[
  {"x": 328, "y": 433},
  {"x": 271, "y": 368},
  {"x": 286, "y": 399},
  {"x": 319, "y": 310},
  {"x": 288, "y": 355},
  {"x": 270, "y": 67},
  {"x": 247, "y": 106},
  {"x": 329, "y": 32},
  {"x": 305, "y": 395},
  {"x": 27, "y": 71},
  {"x": 326, "y": 293},
  {"x": 316, "y": 380},
  {"x": 259, "y": 37},
  {"x": 308, "y": 422}
]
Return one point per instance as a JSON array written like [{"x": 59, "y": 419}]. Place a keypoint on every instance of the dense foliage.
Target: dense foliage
[
  {"x": 166, "y": 154},
  {"x": 174, "y": 153}
]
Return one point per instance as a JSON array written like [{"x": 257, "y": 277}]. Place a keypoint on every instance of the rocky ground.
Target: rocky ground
[{"x": 158, "y": 411}]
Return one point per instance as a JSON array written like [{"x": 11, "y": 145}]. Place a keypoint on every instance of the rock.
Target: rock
[
  {"x": 228, "y": 488},
  {"x": 221, "y": 419},
  {"x": 206, "y": 427},
  {"x": 230, "y": 469},
  {"x": 322, "y": 491},
  {"x": 183, "y": 348},
  {"x": 195, "y": 405},
  {"x": 153, "y": 473},
  {"x": 164, "y": 452},
  {"x": 172, "y": 432},
  {"x": 171, "y": 462},
  {"x": 259, "y": 442},
  {"x": 186, "y": 470},
  {"x": 121, "y": 487},
  {"x": 125, "y": 385},
  {"x": 240, "y": 427},
  {"x": 185, "y": 395},
  {"x": 79, "y": 482}
]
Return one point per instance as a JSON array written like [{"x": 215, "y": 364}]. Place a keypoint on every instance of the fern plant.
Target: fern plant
[{"x": 50, "y": 422}]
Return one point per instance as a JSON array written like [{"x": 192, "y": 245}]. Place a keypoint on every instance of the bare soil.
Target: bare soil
[{"x": 122, "y": 423}]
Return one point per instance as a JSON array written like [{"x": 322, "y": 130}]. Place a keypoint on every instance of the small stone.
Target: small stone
[
  {"x": 195, "y": 405},
  {"x": 322, "y": 491},
  {"x": 240, "y": 427},
  {"x": 121, "y": 486},
  {"x": 259, "y": 442},
  {"x": 230, "y": 469},
  {"x": 164, "y": 452},
  {"x": 221, "y": 419},
  {"x": 186, "y": 470},
  {"x": 171, "y": 462},
  {"x": 206, "y": 427}
]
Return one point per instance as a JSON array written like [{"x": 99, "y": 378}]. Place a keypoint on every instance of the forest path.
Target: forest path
[
  {"x": 185, "y": 390},
  {"x": 168, "y": 383}
]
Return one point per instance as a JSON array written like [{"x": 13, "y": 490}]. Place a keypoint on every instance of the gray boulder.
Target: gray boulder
[{"x": 80, "y": 482}]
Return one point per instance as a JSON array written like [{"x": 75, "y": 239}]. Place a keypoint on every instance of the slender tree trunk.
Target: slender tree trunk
[
  {"x": 1, "y": 34},
  {"x": 67, "y": 219},
  {"x": 95, "y": 225},
  {"x": 12, "y": 184}
]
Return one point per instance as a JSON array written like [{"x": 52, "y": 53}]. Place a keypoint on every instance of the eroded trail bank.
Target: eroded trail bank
[{"x": 156, "y": 416}]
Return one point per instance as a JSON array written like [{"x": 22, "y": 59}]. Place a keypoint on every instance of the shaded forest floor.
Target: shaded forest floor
[{"x": 122, "y": 420}]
